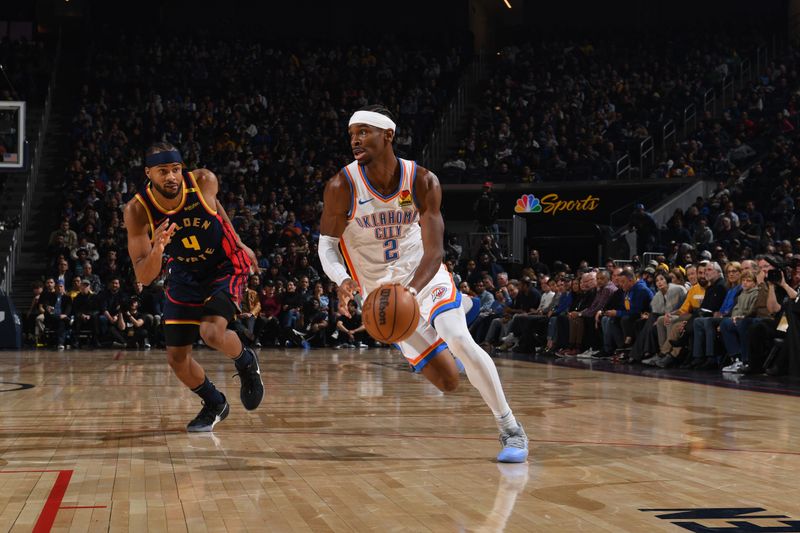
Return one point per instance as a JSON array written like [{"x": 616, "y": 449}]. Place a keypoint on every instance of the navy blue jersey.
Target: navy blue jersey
[{"x": 203, "y": 248}]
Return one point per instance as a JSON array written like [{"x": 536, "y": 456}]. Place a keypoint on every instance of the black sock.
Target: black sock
[
  {"x": 244, "y": 359},
  {"x": 209, "y": 393}
]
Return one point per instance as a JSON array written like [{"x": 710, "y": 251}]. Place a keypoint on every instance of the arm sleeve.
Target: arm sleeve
[{"x": 331, "y": 259}]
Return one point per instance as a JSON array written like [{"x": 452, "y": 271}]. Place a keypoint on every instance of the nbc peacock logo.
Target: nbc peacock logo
[{"x": 528, "y": 203}]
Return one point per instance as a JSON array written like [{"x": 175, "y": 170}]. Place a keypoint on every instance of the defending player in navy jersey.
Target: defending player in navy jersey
[
  {"x": 382, "y": 223},
  {"x": 178, "y": 217}
]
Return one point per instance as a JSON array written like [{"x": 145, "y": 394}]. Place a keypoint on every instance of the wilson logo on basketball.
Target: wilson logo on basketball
[
  {"x": 438, "y": 292},
  {"x": 383, "y": 304}
]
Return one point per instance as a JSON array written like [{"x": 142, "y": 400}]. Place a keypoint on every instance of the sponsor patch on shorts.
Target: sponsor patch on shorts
[{"x": 438, "y": 292}]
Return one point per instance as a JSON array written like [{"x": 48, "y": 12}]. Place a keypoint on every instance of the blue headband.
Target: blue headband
[{"x": 163, "y": 158}]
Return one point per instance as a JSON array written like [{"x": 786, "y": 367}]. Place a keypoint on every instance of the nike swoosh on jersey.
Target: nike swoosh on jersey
[{"x": 362, "y": 202}]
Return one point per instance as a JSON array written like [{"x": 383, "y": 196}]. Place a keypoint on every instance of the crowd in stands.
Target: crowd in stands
[
  {"x": 691, "y": 312},
  {"x": 723, "y": 274},
  {"x": 722, "y": 279},
  {"x": 271, "y": 122},
  {"x": 569, "y": 110}
]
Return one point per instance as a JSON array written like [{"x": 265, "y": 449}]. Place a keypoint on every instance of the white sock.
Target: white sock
[{"x": 481, "y": 371}]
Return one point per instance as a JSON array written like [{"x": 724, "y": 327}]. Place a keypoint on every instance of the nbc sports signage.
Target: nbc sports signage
[
  {"x": 551, "y": 204},
  {"x": 528, "y": 203}
]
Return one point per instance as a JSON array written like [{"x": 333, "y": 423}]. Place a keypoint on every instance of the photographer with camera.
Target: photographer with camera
[
  {"x": 757, "y": 332},
  {"x": 781, "y": 297}
]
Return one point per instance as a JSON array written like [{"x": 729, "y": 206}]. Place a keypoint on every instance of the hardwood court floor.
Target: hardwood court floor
[{"x": 351, "y": 441}]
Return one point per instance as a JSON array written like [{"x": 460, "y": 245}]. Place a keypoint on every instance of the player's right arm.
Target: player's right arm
[
  {"x": 335, "y": 206},
  {"x": 145, "y": 254}
]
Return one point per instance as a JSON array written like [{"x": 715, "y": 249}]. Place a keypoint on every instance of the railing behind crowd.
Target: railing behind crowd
[
  {"x": 668, "y": 136},
  {"x": 434, "y": 152}
]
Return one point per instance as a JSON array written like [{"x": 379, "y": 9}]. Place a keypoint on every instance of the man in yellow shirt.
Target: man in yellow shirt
[{"x": 672, "y": 325}]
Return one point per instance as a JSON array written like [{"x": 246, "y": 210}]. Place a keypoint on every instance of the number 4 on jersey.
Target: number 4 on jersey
[{"x": 191, "y": 242}]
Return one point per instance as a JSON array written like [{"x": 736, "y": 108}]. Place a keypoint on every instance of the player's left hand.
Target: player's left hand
[{"x": 246, "y": 249}]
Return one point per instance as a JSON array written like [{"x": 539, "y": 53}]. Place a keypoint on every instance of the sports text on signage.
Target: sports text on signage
[{"x": 551, "y": 204}]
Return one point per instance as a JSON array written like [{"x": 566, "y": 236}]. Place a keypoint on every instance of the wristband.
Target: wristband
[{"x": 412, "y": 290}]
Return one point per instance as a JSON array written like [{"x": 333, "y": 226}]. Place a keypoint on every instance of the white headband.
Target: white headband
[{"x": 373, "y": 119}]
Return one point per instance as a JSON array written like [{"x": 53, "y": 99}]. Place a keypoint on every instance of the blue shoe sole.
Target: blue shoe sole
[{"x": 512, "y": 455}]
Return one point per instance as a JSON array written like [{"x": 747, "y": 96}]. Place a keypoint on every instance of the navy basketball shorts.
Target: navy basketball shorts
[{"x": 189, "y": 301}]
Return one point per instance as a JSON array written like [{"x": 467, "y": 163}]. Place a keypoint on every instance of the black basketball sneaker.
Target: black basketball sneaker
[
  {"x": 252, "y": 388},
  {"x": 208, "y": 417}
]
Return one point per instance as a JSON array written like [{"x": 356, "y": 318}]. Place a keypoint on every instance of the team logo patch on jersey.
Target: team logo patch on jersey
[
  {"x": 438, "y": 292},
  {"x": 405, "y": 198}
]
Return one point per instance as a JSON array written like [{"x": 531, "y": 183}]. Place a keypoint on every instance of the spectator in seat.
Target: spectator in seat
[
  {"x": 676, "y": 231},
  {"x": 569, "y": 290},
  {"x": 705, "y": 327},
  {"x": 618, "y": 330},
  {"x": 491, "y": 305},
  {"x": 270, "y": 312},
  {"x": 352, "y": 332},
  {"x": 109, "y": 266},
  {"x": 249, "y": 319},
  {"x": 450, "y": 266},
  {"x": 70, "y": 237},
  {"x": 672, "y": 325},
  {"x": 522, "y": 303},
  {"x": 536, "y": 264},
  {"x": 29, "y": 320},
  {"x": 94, "y": 279},
  {"x": 574, "y": 322},
  {"x": 605, "y": 289},
  {"x": 703, "y": 236},
  {"x": 274, "y": 275},
  {"x": 733, "y": 328},
  {"x": 291, "y": 313},
  {"x": 453, "y": 249},
  {"x": 316, "y": 320},
  {"x": 62, "y": 273},
  {"x": 57, "y": 313},
  {"x": 79, "y": 257},
  {"x": 110, "y": 304},
  {"x": 305, "y": 270},
  {"x": 74, "y": 288},
  {"x": 758, "y": 336},
  {"x": 530, "y": 329},
  {"x": 84, "y": 310},
  {"x": 485, "y": 266},
  {"x": 132, "y": 326},
  {"x": 667, "y": 298}
]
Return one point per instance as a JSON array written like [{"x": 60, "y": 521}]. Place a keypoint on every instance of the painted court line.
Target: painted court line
[{"x": 48, "y": 515}]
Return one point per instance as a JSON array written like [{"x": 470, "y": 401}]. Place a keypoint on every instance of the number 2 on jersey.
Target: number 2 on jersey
[
  {"x": 191, "y": 242},
  {"x": 390, "y": 252}
]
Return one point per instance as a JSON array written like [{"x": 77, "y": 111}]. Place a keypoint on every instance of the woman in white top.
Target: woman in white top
[{"x": 667, "y": 298}]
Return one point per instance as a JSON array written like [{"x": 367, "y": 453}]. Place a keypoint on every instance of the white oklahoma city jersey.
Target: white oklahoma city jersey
[{"x": 382, "y": 241}]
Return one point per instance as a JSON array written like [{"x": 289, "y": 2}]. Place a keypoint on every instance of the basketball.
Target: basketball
[{"x": 390, "y": 313}]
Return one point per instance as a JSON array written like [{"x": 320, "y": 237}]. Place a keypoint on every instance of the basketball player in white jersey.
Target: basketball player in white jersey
[{"x": 381, "y": 221}]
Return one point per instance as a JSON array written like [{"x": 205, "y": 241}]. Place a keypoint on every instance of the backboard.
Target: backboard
[{"x": 12, "y": 135}]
